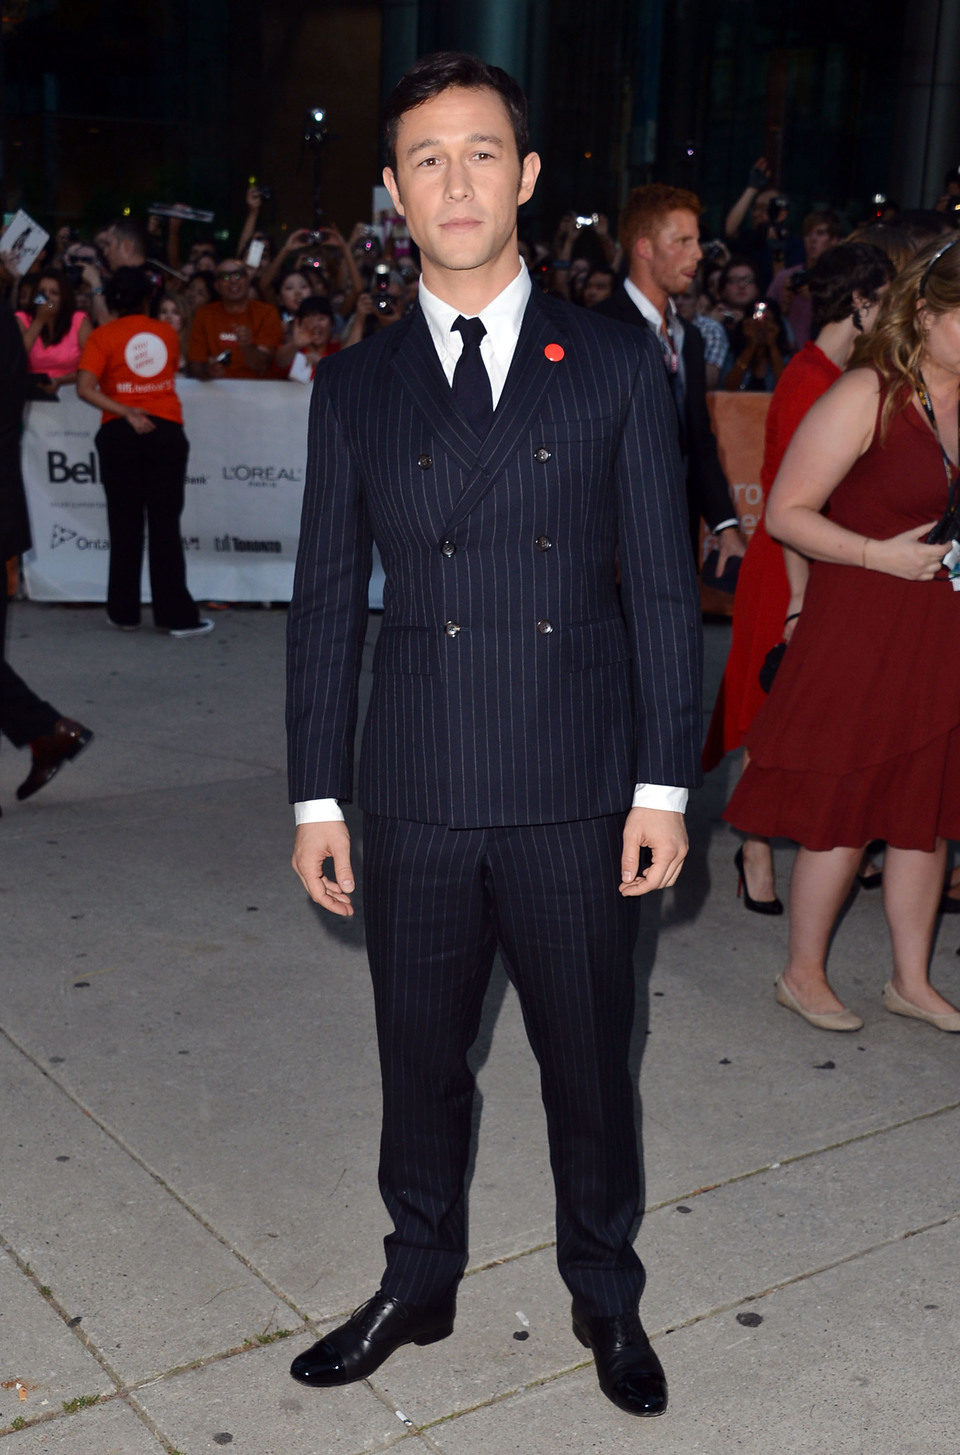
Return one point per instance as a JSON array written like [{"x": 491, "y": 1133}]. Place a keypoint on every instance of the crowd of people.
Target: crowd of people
[{"x": 269, "y": 308}]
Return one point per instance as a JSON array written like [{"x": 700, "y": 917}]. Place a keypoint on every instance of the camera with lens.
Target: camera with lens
[{"x": 380, "y": 291}]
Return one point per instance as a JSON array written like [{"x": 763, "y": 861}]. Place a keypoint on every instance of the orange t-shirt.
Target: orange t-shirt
[
  {"x": 215, "y": 332},
  {"x": 135, "y": 360}
]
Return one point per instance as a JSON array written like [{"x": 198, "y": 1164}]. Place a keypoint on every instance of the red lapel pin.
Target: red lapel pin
[{"x": 554, "y": 352}]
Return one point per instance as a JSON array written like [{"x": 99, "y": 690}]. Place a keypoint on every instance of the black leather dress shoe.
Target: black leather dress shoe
[
  {"x": 370, "y": 1335},
  {"x": 628, "y": 1370},
  {"x": 67, "y": 739}
]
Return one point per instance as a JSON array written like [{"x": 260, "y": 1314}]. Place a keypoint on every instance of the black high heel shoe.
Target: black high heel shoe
[
  {"x": 874, "y": 878},
  {"x": 759, "y": 906}
]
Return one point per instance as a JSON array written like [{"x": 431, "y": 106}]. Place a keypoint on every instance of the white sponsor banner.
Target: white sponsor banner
[{"x": 241, "y": 518}]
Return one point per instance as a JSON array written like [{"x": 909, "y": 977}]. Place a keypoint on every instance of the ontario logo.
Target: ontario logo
[{"x": 60, "y": 535}]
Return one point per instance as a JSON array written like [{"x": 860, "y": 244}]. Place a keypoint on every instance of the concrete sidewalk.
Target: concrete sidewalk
[{"x": 190, "y": 1120}]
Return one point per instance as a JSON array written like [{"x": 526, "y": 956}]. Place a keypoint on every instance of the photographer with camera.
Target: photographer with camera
[
  {"x": 303, "y": 252},
  {"x": 766, "y": 239},
  {"x": 383, "y": 304},
  {"x": 760, "y": 347},
  {"x": 581, "y": 245}
]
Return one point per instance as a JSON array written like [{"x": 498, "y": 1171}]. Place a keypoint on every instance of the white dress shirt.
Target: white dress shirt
[{"x": 502, "y": 319}]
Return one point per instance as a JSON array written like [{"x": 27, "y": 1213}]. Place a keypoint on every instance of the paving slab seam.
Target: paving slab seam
[
  {"x": 72, "y": 1324},
  {"x": 806, "y": 1275},
  {"x": 158, "y": 1178},
  {"x": 793, "y": 1158},
  {"x": 51, "y": 1416},
  {"x": 414, "y": 1431},
  {"x": 500, "y": 1397},
  {"x": 124, "y": 1387},
  {"x": 120, "y": 1392},
  {"x": 732, "y": 1181}
]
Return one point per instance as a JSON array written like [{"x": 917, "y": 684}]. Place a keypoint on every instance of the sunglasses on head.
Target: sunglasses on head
[{"x": 935, "y": 259}]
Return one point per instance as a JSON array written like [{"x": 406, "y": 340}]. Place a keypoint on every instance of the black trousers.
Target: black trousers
[
  {"x": 438, "y": 903},
  {"x": 23, "y": 715},
  {"x": 143, "y": 479}
]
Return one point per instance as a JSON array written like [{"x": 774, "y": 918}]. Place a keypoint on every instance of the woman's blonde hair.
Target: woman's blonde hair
[{"x": 929, "y": 283}]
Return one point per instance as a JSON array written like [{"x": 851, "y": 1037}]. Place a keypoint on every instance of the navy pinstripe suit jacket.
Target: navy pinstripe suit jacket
[{"x": 514, "y": 683}]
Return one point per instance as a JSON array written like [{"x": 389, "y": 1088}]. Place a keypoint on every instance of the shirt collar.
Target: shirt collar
[
  {"x": 501, "y": 317},
  {"x": 650, "y": 313}
]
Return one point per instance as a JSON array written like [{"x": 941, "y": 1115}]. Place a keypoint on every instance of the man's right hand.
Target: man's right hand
[{"x": 315, "y": 843}]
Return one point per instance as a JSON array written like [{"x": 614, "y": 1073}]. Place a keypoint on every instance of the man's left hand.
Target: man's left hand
[
  {"x": 730, "y": 542},
  {"x": 665, "y": 834}
]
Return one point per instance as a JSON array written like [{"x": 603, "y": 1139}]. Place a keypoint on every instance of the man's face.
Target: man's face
[
  {"x": 459, "y": 181},
  {"x": 817, "y": 241},
  {"x": 231, "y": 281},
  {"x": 671, "y": 253},
  {"x": 110, "y": 246}
]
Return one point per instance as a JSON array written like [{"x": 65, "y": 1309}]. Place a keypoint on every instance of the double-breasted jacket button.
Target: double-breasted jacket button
[
  {"x": 425, "y": 461},
  {"x": 452, "y": 628},
  {"x": 544, "y": 627},
  {"x": 542, "y": 455},
  {"x": 543, "y": 543},
  {"x": 448, "y": 548}
]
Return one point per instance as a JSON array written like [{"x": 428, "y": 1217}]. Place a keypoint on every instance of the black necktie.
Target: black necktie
[{"x": 471, "y": 382}]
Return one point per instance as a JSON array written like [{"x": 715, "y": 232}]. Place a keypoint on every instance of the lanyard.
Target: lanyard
[{"x": 924, "y": 398}]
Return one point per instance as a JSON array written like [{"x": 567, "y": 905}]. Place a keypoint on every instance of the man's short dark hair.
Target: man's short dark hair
[
  {"x": 129, "y": 230},
  {"x": 822, "y": 217},
  {"x": 439, "y": 72},
  {"x": 127, "y": 291}
]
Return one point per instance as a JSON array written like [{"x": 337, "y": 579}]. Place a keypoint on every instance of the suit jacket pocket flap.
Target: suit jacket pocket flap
[{"x": 595, "y": 644}]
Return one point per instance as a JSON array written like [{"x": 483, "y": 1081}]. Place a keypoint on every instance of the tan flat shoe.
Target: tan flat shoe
[
  {"x": 833, "y": 1020},
  {"x": 942, "y": 1021}
]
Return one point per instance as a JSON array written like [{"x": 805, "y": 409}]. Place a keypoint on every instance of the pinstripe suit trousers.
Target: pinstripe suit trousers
[{"x": 440, "y": 902}]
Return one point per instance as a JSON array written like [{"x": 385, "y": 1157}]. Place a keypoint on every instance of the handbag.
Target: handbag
[
  {"x": 771, "y": 662},
  {"x": 947, "y": 528}
]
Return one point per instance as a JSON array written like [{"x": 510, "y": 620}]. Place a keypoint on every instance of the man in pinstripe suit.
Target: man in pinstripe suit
[{"x": 533, "y": 727}]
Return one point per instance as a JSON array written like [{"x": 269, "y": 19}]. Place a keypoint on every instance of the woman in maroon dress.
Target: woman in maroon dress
[
  {"x": 860, "y": 738},
  {"x": 845, "y": 288}
]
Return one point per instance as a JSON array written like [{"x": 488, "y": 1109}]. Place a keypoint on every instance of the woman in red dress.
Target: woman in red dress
[
  {"x": 860, "y": 738},
  {"x": 845, "y": 288}
]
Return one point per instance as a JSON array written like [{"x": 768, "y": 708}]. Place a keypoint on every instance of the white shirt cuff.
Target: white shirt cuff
[
  {"x": 660, "y": 795},
  {"x": 318, "y": 810},
  {"x": 645, "y": 795}
]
